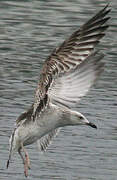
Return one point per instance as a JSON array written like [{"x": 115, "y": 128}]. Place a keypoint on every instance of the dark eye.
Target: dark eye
[{"x": 81, "y": 117}]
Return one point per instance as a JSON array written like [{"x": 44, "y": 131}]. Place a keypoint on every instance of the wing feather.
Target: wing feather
[
  {"x": 64, "y": 62},
  {"x": 46, "y": 140},
  {"x": 70, "y": 87}
]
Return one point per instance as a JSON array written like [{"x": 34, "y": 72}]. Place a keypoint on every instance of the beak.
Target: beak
[{"x": 92, "y": 125}]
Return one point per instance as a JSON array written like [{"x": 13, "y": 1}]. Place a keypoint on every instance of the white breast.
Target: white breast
[{"x": 46, "y": 122}]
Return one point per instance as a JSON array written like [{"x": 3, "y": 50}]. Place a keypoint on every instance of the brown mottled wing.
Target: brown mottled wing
[
  {"x": 69, "y": 55},
  {"x": 25, "y": 116},
  {"x": 82, "y": 42}
]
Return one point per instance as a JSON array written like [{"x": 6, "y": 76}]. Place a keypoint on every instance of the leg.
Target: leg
[
  {"x": 26, "y": 155},
  {"x": 19, "y": 151},
  {"x": 26, "y": 161}
]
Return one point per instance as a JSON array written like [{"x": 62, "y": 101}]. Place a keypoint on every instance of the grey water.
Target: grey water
[{"x": 29, "y": 30}]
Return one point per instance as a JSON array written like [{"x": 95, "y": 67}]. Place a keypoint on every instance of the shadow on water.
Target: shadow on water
[{"x": 29, "y": 30}]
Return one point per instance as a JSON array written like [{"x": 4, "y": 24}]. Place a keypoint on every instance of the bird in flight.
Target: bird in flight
[{"x": 66, "y": 76}]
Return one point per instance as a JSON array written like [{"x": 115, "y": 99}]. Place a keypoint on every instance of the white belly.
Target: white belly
[{"x": 48, "y": 120}]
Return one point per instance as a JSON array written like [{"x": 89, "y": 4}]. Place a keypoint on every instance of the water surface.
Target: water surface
[{"x": 29, "y": 30}]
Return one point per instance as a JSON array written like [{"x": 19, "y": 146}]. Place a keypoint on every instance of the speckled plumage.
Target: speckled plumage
[{"x": 67, "y": 75}]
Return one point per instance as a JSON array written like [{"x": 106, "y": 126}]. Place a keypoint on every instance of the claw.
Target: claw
[{"x": 26, "y": 169}]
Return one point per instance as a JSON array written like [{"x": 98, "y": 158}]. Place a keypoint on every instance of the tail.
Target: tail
[{"x": 11, "y": 147}]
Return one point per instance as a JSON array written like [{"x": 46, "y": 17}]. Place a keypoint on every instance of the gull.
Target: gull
[{"x": 66, "y": 76}]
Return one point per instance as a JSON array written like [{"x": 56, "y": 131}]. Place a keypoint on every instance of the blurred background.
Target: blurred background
[{"x": 29, "y": 30}]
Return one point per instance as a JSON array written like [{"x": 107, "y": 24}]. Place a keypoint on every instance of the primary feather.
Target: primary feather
[{"x": 68, "y": 56}]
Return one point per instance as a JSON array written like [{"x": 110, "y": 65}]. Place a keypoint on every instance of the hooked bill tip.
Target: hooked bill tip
[{"x": 92, "y": 125}]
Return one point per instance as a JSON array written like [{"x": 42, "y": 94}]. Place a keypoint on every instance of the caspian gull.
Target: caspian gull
[{"x": 67, "y": 75}]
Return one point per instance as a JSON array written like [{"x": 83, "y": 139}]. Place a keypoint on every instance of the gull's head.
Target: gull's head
[
  {"x": 14, "y": 144},
  {"x": 79, "y": 119}
]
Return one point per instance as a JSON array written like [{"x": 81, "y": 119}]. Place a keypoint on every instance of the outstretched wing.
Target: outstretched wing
[
  {"x": 69, "y": 87},
  {"x": 65, "y": 60}
]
